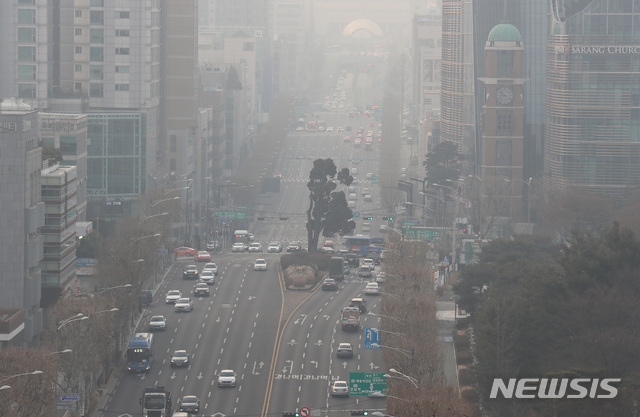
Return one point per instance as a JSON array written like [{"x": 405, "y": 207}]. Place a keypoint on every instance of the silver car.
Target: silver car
[
  {"x": 183, "y": 305},
  {"x": 340, "y": 388},
  {"x": 227, "y": 378}
]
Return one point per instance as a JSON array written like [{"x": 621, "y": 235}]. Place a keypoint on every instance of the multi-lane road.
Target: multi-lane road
[{"x": 281, "y": 345}]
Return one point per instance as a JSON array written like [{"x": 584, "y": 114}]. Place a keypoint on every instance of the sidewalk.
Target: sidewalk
[
  {"x": 107, "y": 391},
  {"x": 447, "y": 316}
]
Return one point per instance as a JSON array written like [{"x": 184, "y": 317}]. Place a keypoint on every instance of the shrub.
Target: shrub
[
  {"x": 470, "y": 395},
  {"x": 463, "y": 357},
  {"x": 466, "y": 377}
]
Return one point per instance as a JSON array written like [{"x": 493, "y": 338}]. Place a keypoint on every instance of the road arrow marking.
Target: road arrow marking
[
  {"x": 291, "y": 342},
  {"x": 251, "y": 297},
  {"x": 373, "y": 366},
  {"x": 173, "y": 376},
  {"x": 319, "y": 343},
  {"x": 344, "y": 365},
  {"x": 315, "y": 363},
  {"x": 200, "y": 375}
]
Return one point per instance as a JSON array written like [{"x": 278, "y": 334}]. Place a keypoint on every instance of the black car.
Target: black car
[
  {"x": 329, "y": 284},
  {"x": 190, "y": 272},
  {"x": 190, "y": 404},
  {"x": 353, "y": 259},
  {"x": 375, "y": 256},
  {"x": 345, "y": 350},
  {"x": 294, "y": 247}
]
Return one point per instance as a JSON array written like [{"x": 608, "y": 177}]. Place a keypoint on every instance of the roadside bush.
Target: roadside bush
[
  {"x": 463, "y": 357},
  {"x": 461, "y": 342},
  {"x": 300, "y": 276},
  {"x": 466, "y": 377},
  {"x": 470, "y": 395}
]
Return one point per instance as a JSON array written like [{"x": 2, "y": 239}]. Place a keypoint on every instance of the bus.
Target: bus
[
  {"x": 322, "y": 126},
  {"x": 241, "y": 236},
  {"x": 358, "y": 244},
  {"x": 301, "y": 125},
  {"x": 140, "y": 352}
]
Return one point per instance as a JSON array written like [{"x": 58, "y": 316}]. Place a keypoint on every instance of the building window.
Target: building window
[
  {"x": 505, "y": 63},
  {"x": 79, "y": 13},
  {"x": 78, "y": 67},
  {"x": 68, "y": 144},
  {"x": 122, "y": 51},
  {"x": 503, "y": 152},
  {"x": 97, "y": 3},
  {"x": 26, "y": 53},
  {"x": 96, "y": 17},
  {"x": 122, "y": 33},
  {"x": 26, "y": 90},
  {"x": 96, "y": 35},
  {"x": 31, "y": 2},
  {"x": 26, "y": 72},
  {"x": 26, "y": 35},
  {"x": 172, "y": 164},
  {"x": 248, "y": 46},
  {"x": 173, "y": 143},
  {"x": 122, "y": 69},
  {"x": 96, "y": 54},
  {"x": 122, "y": 15},
  {"x": 96, "y": 90},
  {"x": 504, "y": 122},
  {"x": 78, "y": 86},
  {"x": 78, "y": 49},
  {"x": 122, "y": 87},
  {"x": 96, "y": 72},
  {"x": 26, "y": 16}
]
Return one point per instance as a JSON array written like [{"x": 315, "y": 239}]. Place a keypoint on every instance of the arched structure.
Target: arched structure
[{"x": 362, "y": 28}]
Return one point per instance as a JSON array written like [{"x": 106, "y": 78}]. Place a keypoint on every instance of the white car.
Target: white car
[
  {"x": 351, "y": 204},
  {"x": 157, "y": 323},
  {"x": 208, "y": 277},
  {"x": 238, "y": 247},
  {"x": 172, "y": 296},
  {"x": 210, "y": 266},
  {"x": 330, "y": 129},
  {"x": 183, "y": 304},
  {"x": 260, "y": 265},
  {"x": 274, "y": 247},
  {"x": 339, "y": 388},
  {"x": 255, "y": 247},
  {"x": 372, "y": 288},
  {"x": 227, "y": 378},
  {"x": 368, "y": 262}
]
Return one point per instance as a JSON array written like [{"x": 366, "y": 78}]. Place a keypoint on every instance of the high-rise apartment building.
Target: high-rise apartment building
[
  {"x": 593, "y": 96},
  {"x": 21, "y": 222}
]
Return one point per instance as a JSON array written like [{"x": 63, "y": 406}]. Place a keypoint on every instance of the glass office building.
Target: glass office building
[{"x": 593, "y": 96}]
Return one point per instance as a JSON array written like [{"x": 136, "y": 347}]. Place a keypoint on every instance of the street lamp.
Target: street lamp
[
  {"x": 152, "y": 216},
  {"x": 60, "y": 351},
  {"x": 408, "y": 354},
  {"x": 23, "y": 374},
  {"x": 144, "y": 237},
  {"x": 5, "y": 387},
  {"x": 410, "y": 378},
  {"x": 174, "y": 189},
  {"x": 388, "y": 317},
  {"x": 101, "y": 290},
  {"x": 166, "y": 199},
  {"x": 65, "y": 322}
]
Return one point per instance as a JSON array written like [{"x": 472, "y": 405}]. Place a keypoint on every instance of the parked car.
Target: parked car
[
  {"x": 260, "y": 265},
  {"x": 180, "y": 358},
  {"x": 329, "y": 284},
  {"x": 172, "y": 296},
  {"x": 190, "y": 272},
  {"x": 203, "y": 256},
  {"x": 157, "y": 323},
  {"x": 183, "y": 305},
  {"x": 274, "y": 247},
  {"x": 201, "y": 290},
  {"x": 184, "y": 251},
  {"x": 227, "y": 378},
  {"x": 345, "y": 350}
]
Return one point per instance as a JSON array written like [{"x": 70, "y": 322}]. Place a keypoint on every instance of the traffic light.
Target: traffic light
[
  {"x": 368, "y": 218},
  {"x": 290, "y": 414},
  {"x": 359, "y": 413},
  {"x": 388, "y": 218}
]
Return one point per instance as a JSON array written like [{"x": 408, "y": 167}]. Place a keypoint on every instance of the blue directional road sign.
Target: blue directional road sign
[
  {"x": 371, "y": 337},
  {"x": 356, "y": 214}
]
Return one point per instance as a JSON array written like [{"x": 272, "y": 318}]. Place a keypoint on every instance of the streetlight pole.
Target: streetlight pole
[
  {"x": 166, "y": 199},
  {"x": 406, "y": 353}
]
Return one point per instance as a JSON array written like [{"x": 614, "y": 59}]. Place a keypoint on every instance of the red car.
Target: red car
[
  {"x": 203, "y": 256},
  {"x": 184, "y": 251}
]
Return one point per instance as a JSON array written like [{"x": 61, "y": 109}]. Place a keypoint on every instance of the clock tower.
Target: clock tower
[{"x": 503, "y": 125}]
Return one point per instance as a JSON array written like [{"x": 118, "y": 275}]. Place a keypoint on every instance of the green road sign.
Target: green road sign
[
  {"x": 365, "y": 384},
  {"x": 231, "y": 215},
  {"x": 413, "y": 233},
  {"x": 374, "y": 179}
]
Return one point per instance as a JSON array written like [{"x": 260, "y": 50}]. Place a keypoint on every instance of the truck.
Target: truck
[
  {"x": 350, "y": 318},
  {"x": 336, "y": 268},
  {"x": 156, "y": 402}
]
